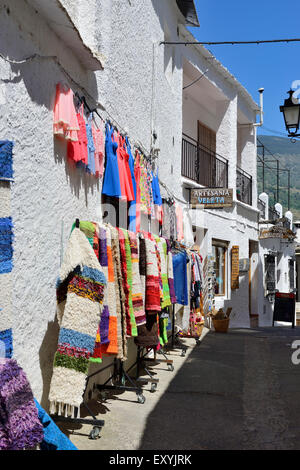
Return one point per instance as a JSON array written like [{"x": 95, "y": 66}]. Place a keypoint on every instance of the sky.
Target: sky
[{"x": 272, "y": 66}]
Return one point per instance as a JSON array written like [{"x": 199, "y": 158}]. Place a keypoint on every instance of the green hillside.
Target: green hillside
[{"x": 288, "y": 154}]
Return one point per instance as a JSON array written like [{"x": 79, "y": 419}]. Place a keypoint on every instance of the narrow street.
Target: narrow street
[{"x": 235, "y": 391}]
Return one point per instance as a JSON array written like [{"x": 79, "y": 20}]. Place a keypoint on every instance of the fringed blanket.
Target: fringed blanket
[
  {"x": 20, "y": 427},
  {"x": 80, "y": 291}
]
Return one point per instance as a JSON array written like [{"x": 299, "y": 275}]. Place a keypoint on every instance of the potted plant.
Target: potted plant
[{"x": 220, "y": 319}]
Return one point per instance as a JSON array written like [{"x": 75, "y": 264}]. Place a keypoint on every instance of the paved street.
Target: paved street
[
  {"x": 238, "y": 390},
  {"x": 235, "y": 391}
]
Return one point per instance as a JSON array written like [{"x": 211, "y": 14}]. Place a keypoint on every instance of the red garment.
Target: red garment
[
  {"x": 78, "y": 151},
  {"x": 124, "y": 170},
  {"x": 137, "y": 175}
]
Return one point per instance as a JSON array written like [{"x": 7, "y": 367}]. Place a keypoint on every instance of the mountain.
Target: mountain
[{"x": 288, "y": 154}]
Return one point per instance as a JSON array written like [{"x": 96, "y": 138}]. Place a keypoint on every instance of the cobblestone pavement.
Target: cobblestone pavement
[{"x": 238, "y": 390}]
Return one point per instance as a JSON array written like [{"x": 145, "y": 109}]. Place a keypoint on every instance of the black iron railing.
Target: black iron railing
[
  {"x": 203, "y": 166},
  {"x": 243, "y": 186},
  {"x": 262, "y": 208}
]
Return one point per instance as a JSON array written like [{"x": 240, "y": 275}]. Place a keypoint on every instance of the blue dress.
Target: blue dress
[
  {"x": 91, "y": 149},
  {"x": 111, "y": 181},
  {"x": 156, "y": 190},
  {"x": 132, "y": 204},
  {"x": 180, "y": 278}
]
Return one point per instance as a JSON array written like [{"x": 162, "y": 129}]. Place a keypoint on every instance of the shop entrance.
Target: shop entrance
[{"x": 253, "y": 283}]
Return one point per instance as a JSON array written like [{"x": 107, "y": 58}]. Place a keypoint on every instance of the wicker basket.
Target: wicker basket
[{"x": 221, "y": 326}]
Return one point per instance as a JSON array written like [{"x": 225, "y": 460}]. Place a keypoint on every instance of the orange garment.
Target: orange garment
[
  {"x": 65, "y": 123},
  {"x": 124, "y": 170}
]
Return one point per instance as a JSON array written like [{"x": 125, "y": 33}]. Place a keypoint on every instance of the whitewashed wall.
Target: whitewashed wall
[{"x": 48, "y": 194}]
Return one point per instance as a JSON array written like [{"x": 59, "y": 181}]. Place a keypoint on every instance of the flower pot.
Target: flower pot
[{"x": 221, "y": 326}]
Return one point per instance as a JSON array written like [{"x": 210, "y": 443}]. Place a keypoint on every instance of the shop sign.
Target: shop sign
[
  {"x": 235, "y": 267},
  {"x": 269, "y": 234},
  {"x": 211, "y": 198}
]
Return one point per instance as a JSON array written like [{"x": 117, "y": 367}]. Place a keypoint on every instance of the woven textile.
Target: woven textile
[
  {"x": 120, "y": 296},
  {"x": 20, "y": 427},
  {"x": 6, "y": 247},
  {"x": 162, "y": 247},
  {"x": 137, "y": 295},
  {"x": 110, "y": 347},
  {"x": 6, "y": 156},
  {"x": 80, "y": 291},
  {"x": 170, "y": 273},
  {"x": 125, "y": 254},
  {"x": 54, "y": 438},
  {"x": 153, "y": 289}
]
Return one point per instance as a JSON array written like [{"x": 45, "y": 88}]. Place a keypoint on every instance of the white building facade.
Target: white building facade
[{"x": 112, "y": 52}]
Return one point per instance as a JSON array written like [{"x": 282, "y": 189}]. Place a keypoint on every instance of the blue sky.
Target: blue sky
[{"x": 272, "y": 66}]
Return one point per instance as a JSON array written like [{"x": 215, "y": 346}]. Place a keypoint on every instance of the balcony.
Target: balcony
[
  {"x": 202, "y": 165},
  {"x": 273, "y": 214},
  {"x": 243, "y": 186}
]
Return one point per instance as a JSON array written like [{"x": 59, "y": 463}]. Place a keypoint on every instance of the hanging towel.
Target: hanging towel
[
  {"x": 80, "y": 291},
  {"x": 162, "y": 247},
  {"x": 170, "y": 273},
  {"x": 20, "y": 428},
  {"x": 6, "y": 157}
]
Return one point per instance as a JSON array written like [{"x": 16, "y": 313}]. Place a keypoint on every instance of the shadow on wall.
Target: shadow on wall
[
  {"x": 46, "y": 354},
  {"x": 77, "y": 178}
]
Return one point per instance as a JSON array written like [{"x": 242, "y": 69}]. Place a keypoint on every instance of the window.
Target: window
[{"x": 219, "y": 254}]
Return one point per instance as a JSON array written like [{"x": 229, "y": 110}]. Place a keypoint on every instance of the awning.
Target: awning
[
  {"x": 188, "y": 9},
  {"x": 61, "y": 23}
]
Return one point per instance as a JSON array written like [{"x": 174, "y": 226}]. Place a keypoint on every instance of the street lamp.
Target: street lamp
[{"x": 291, "y": 113}]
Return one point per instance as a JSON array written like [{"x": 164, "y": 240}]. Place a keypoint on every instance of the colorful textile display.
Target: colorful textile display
[
  {"x": 54, "y": 438},
  {"x": 80, "y": 292},
  {"x": 20, "y": 428},
  {"x": 6, "y": 159},
  {"x": 65, "y": 119}
]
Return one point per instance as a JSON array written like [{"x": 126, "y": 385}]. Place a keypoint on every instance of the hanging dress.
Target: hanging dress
[
  {"x": 99, "y": 149},
  {"x": 65, "y": 123},
  {"x": 77, "y": 151},
  {"x": 90, "y": 147},
  {"x": 132, "y": 204},
  {"x": 111, "y": 182},
  {"x": 124, "y": 171}
]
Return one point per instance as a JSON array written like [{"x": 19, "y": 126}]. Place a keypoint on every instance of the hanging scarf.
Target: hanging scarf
[
  {"x": 80, "y": 291},
  {"x": 162, "y": 247},
  {"x": 6, "y": 158}
]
